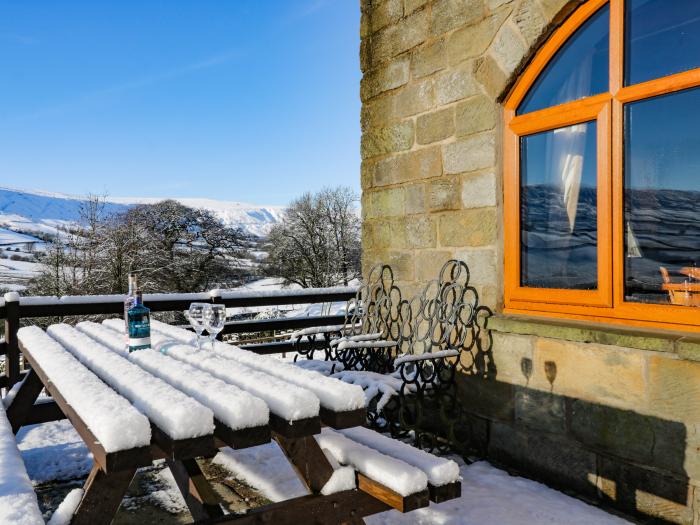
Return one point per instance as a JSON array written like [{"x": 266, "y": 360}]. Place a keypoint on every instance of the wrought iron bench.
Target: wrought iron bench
[{"x": 406, "y": 353}]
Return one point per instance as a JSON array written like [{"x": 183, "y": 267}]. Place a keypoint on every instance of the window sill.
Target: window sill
[{"x": 657, "y": 340}]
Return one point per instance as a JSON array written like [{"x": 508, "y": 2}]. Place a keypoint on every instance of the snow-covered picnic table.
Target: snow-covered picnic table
[{"x": 177, "y": 403}]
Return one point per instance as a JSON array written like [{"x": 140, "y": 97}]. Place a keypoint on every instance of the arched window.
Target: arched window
[{"x": 602, "y": 168}]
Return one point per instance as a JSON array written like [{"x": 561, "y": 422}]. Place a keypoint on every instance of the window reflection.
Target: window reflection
[
  {"x": 578, "y": 70},
  {"x": 558, "y": 208},
  {"x": 662, "y": 37},
  {"x": 662, "y": 200}
]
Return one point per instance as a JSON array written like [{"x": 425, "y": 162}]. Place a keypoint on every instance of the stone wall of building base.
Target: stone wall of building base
[{"x": 614, "y": 424}]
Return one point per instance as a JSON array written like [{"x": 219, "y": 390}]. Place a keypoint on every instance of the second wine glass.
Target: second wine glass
[
  {"x": 195, "y": 315},
  {"x": 214, "y": 320}
]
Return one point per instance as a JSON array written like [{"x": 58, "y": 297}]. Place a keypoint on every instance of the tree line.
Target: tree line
[{"x": 175, "y": 248}]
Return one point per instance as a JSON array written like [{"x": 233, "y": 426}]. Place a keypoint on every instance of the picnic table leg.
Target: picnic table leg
[
  {"x": 102, "y": 497},
  {"x": 201, "y": 499},
  {"x": 24, "y": 400},
  {"x": 308, "y": 460}
]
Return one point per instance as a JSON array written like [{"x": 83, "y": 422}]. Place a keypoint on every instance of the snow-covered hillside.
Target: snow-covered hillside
[{"x": 41, "y": 212}]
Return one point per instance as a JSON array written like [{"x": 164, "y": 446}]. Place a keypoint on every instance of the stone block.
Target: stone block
[
  {"x": 443, "y": 194},
  {"x": 472, "y": 41},
  {"x": 539, "y": 410},
  {"x": 415, "y": 165},
  {"x": 603, "y": 374},
  {"x": 495, "y": 4},
  {"x": 689, "y": 348},
  {"x": 386, "y": 13},
  {"x": 478, "y": 227},
  {"x": 428, "y": 59},
  {"x": 429, "y": 263},
  {"x": 674, "y": 388},
  {"x": 479, "y": 190},
  {"x": 644, "y": 439},
  {"x": 455, "y": 84},
  {"x": 415, "y": 199},
  {"x": 381, "y": 45},
  {"x": 411, "y": 31},
  {"x": 376, "y": 234},
  {"x": 486, "y": 397},
  {"x": 402, "y": 263},
  {"x": 421, "y": 231},
  {"x": 530, "y": 20},
  {"x": 490, "y": 76},
  {"x": 416, "y": 97},
  {"x": 512, "y": 357},
  {"x": 644, "y": 493},
  {"x": 378, "y": 113},
  {"x": 475, "y": 114},
  {"x": 387, "y": 203},
  {"x": 484, "y": 268},
  {"x": 473, "y": 153},
  {"x": 395, "y": 138},
  {"x": 450, "y": 14},
  {"x": 411, "y": 5},
  {"x": 367, "y": 174},
  {"x": 551, "y": 8},
  {"x": 508, "y": 48},
  {"x": 434, "y": 127},
  {"x": 390, "y": 76},
  {"x": 557, "y": 461}
]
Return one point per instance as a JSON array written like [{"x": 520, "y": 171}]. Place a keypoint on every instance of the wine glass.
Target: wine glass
[
  {"x": 214, "y": 320},
  {"x": 195, "y": 315}
]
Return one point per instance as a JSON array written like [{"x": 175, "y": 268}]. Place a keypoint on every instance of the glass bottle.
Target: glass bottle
[{"x": 139, "y": 325}]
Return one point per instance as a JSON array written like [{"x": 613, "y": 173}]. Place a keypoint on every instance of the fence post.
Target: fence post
[{"x": 11, "y": 327}]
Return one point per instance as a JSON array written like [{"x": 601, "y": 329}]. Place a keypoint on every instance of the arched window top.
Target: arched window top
[
  {"x": 578, "y": 70},
  {"x": 600, "y": 168}
]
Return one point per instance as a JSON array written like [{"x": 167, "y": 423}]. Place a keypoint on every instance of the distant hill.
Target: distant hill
[{"x": 37, "y": 212}]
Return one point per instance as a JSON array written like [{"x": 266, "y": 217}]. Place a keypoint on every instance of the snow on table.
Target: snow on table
[
  {"x": 18, "y": 503},
  {"x": 440, "y": 471},
  {"x": 110, "y": 417},
  {"x": 176, "y": 414},
  {"x": 333, "y": 394},
  {"x": 283, "y": 399},
  {"x": 232, "y": 406},
  {"x": 390, "y": 472}
]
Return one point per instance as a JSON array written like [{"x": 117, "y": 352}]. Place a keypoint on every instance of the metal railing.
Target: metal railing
[{"x": 16, "y": 308}]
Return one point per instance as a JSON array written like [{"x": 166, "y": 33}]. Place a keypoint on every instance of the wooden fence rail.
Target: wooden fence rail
[{"x": 16, "y": 308}]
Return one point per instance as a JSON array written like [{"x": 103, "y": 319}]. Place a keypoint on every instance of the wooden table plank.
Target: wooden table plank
[
  {"x": 109, "y": 462},
  {"x": 347, "y": 419},
  {"x": 241, "y": 438},
  {"x": 102, "y": 497},
  {"x": 201, "y": 500},
  {"x": 395, "y": 500},
  {"x": 21, "y": 405},
  {"x": 295, "y": 429},
  {"x": 308, "y": 460}
]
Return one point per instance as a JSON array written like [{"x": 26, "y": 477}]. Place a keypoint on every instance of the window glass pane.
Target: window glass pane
[
  {"x": 578, "y": 70},
  {"x": 558, "y": 217},
  {"x": 662, "y": 200},
  {"x": 662, "y": 37}
]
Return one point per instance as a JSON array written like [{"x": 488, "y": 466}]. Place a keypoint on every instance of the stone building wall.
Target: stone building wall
[{"x": 611, "y": 413}]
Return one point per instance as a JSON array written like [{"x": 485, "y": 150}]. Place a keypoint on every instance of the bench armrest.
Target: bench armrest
[{"x": 410, "y": 358}]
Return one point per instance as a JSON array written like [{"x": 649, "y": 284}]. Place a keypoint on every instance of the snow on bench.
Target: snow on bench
[
  {"x": 18, "y": 503},
  {"x": 232, "y": 406},
  {"x": 345, "y": 344},
  {"x": 440, "y": 471},
  {"x": 110, "y": 417},
  {"x": 374, "y": 383},
  {"x": 314, "y": 330},
  {"x": 390, "y": 472},
  {"x": 284, "y": 400},
  {"x": 333, "y": 395},
  {"x": 176, "y": 414},
  {"x": 407, "y": 358},
  {"x": 322, "y": 367},
  {"x": 361, "y": 337}
]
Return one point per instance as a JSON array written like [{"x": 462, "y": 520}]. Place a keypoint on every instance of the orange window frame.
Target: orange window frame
[{"x": 607, "y": 303}]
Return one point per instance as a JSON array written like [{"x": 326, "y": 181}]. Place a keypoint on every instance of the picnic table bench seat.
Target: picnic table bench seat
[{"x": 18, "y": 503}]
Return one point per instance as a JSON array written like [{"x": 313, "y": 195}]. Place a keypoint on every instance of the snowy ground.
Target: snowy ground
[{"x": 54, "y": 451}]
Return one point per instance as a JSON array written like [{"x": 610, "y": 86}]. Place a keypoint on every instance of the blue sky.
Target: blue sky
[{"x": 249, "y": 100}]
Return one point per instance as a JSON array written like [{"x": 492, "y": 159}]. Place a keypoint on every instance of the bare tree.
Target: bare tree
[
  {"x": 318, "y": 242},
  {"x": 174, "y": 248}
]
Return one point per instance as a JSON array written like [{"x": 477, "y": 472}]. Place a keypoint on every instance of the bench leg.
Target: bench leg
[
  {"x": 102, "y": 497},
  {"x": 201, "y": 499},
  {"x": 22, "y": 404},
  {"x": 308, "y": 460}
]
